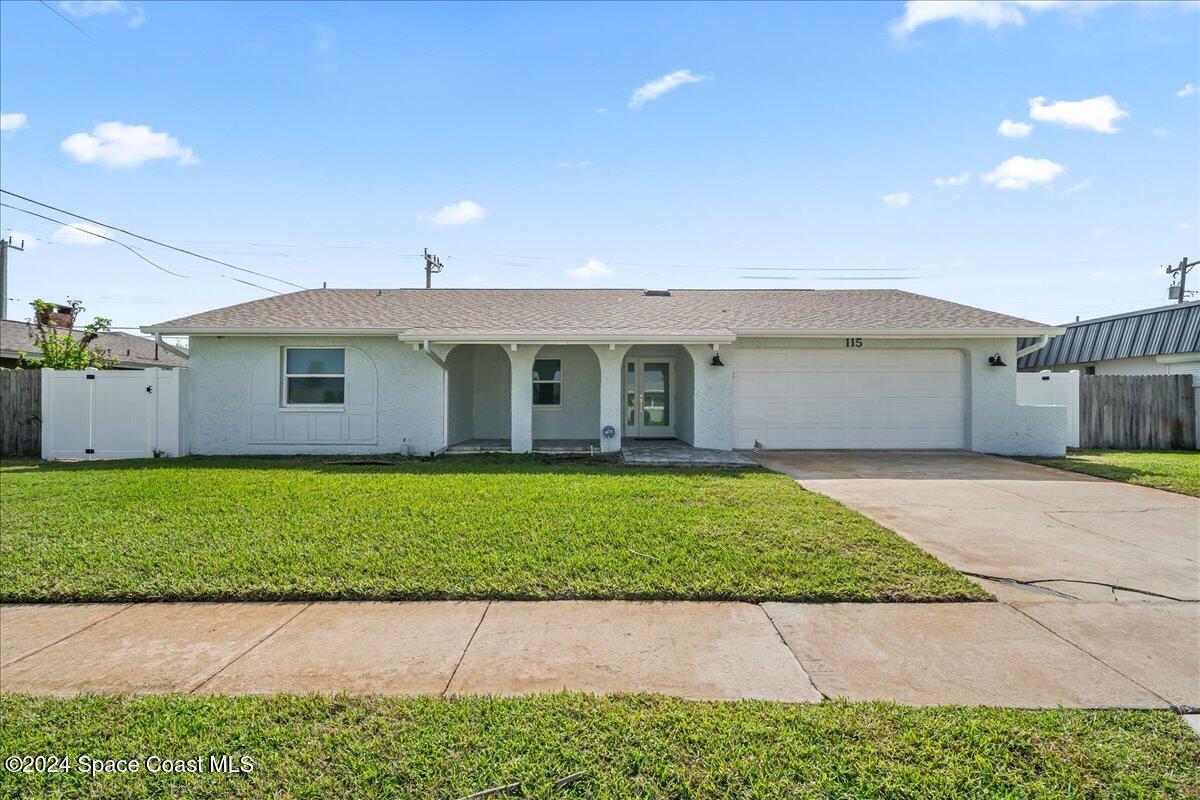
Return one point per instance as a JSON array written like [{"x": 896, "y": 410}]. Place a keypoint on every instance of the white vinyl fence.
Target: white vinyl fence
[
  {"x": 1048, "y": 388},
  {"x": 93, "y": 414}
]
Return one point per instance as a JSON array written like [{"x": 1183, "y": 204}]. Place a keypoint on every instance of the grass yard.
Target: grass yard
[
  {"x": 458, "y": 527},
  {"x": 1173, "y": 470},
  {"x": 635, "y": 746}
]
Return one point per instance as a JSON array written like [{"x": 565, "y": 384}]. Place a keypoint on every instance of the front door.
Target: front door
[{"x": 650, "y": 398}]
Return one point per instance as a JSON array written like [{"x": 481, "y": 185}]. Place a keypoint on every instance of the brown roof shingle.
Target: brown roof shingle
[
  {"x": 601, "y": 311},
  {"x": 127, "y": 349}
]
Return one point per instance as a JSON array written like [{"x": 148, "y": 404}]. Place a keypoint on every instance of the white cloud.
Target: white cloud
[
  {"x": 13, "y": 122},
  {"x": 96, "y": 8},
  {"x": 572, "y": 164},
  {"x": 324, "y": 41},
  {"x": 660, "y": 86},
  {"x": 897, "y": 199},
  {"x": 119, "y": 145},
  {"x": 79, "y": 233},
  {"x": 991, "y": 14},
  {"x": 1095, "y": 114},
  {"x": 1183, "y": 224},
  {"x": 1098, "y": 233},
  {"x": 953, "y": 180},
  {"x": 1020, "y": 172},
  {"x": 592, "y": 269},
  {"x": 463, "y": 212},
  {"x": 1188, "y": 90},
  {"x": 1161, "y": 131},
  {"x": 1014, "y": 130},
  {"x": 1079, "y": 187}
]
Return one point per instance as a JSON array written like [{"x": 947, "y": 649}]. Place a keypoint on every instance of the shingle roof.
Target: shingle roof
[
  {"x": 129, "y": 350},
  {"x": 1151, "y": 332},
  {"x": 599, "y": 311}
]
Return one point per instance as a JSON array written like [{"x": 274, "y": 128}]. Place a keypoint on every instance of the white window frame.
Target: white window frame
[
  {"x": 284, "y": 375},
  {"x": 535, "y": 381}
]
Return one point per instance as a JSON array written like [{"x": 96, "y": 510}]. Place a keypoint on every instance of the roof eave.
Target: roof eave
[{"x": 904, "y": 333}]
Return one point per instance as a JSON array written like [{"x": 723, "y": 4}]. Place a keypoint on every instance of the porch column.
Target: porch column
[
  {"x": 612, "y": 362},
  {"x": 521, "y": 358}
]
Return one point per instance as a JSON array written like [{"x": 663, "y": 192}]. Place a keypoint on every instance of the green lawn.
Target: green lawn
[
  {"x": 1173, "y": 470},
  {"x": 457, "y": 527},
  {"x": 635, "y": 746}
]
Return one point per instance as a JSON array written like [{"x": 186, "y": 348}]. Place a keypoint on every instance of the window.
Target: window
[
  {"x": 314, "y": 376},
  {"x": 547, "y": 383}
]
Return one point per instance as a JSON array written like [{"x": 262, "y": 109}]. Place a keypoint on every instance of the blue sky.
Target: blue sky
[{"x": 333, "y": 141}]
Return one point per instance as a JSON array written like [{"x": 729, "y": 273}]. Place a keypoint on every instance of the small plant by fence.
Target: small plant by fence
[
  {"x": 1137, "y": 412},
  {"x": 20, "y": 412}
]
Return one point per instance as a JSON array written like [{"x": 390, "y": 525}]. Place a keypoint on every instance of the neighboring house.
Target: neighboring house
[
  {"x": 418, "y": 370},
  {"x": 1156, "y": 341},
  {"x": 131, "y": 352}
]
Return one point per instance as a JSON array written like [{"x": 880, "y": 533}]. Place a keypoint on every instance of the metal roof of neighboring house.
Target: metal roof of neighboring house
[
  {"x": 129, "y": 350},
  {"x": 1152, "y": 332},
  {"x": 597, "y": 312}
]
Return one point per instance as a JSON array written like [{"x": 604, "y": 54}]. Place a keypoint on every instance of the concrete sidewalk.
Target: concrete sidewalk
[{"x": 1041, "y": 654}]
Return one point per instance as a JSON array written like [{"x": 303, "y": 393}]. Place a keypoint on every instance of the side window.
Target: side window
[
  {"x": 314, "y": 376},
  {"x": 547, "y": 383}
]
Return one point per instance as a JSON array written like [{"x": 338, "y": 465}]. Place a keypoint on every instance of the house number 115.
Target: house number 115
[{"x": 854, "y": 343}]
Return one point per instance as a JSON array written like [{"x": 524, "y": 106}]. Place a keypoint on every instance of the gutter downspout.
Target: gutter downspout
[{"x": 1042, "y": 341}]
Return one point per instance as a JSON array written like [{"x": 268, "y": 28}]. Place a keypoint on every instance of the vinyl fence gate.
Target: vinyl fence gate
[{"x": 99, "y": 414}]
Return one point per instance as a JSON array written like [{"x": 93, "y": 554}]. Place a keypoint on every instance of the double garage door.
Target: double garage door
[{"x": 841, "y": 399}]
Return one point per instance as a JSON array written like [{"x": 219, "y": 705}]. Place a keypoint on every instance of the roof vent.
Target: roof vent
[{"x": 656, "y": 293}]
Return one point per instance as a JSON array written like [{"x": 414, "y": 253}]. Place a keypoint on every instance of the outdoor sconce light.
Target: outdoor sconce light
[
  {"x": 996, "y": 361},
  {"x": 717, "y": 362}
]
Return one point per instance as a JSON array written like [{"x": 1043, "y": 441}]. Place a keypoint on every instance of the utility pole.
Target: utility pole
[
  {"x": 1181, "y": 269},
  {"x": 432, "y": 264},
  {"x": 5, "y": 245}
]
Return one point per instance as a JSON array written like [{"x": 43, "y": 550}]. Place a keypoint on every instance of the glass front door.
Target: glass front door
[{"x": 650, "y": 397}]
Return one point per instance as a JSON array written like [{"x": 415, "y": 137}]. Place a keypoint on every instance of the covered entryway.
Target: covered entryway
[{"x": 797, "y": 398}]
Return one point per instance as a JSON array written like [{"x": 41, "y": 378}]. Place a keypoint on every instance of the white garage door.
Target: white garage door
[{"x": 815, "y": 399}]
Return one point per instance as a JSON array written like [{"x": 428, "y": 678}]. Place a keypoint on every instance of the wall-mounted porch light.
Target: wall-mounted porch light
[
  {"x": 996, "y": 361},
  {"x": 716, "y": 359}
]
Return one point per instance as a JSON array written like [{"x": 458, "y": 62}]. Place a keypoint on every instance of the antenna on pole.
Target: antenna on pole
[
  {"x": 5, "y": 246},
  {"x": 1178, "y": 292},
  {"x": 432, "y": 264}
]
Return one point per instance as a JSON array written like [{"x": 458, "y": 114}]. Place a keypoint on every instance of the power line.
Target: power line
[
  {"x": 148, "y": 239},
  {"x": 97, "y": 235},
  {"x": 248, "y": 283},
  {"x": 69, "y": 22}
]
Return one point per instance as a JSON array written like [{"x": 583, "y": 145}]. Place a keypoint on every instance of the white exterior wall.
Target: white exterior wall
[
  {"x": 236, "y": 386},
  {"x": 995, "y": 423},
  {"x": 579, "y": 415}
]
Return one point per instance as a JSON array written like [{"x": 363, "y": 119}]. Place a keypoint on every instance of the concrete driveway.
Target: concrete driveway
[
  {"x": 1110, "y": 569},
  {"x": 1076, "y": 535}
]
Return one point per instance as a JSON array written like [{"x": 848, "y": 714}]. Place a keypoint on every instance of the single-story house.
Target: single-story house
[
  {"x": 424, "y": 370},
  {"x": 131, "y": 352},
  {"x": 1155, "y": 341}
]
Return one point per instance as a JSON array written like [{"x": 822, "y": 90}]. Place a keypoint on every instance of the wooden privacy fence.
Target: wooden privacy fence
[
  {"x": 1155, "y": 412},
  {"x": 20, "y": 412}
]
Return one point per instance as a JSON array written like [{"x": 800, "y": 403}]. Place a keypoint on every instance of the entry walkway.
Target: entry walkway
[{"x": 1040, "y": 654}]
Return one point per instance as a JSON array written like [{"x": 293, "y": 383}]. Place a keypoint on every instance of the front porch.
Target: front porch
[
  {"x": 634, "y": 452},
  {"x": 585, "y": 398}
]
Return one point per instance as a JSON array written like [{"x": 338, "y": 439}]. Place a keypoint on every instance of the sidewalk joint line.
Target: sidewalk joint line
[
  {"x": 238, "y": 657},
  {"x": 1091, "y": 655},
  {"x": 69, "y": 635},
  {"x": 463, "y": 656},
  {"x": 795, "y": 657}
]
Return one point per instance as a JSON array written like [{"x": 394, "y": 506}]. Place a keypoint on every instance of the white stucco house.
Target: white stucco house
[{"x": 426, "y": 370}]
